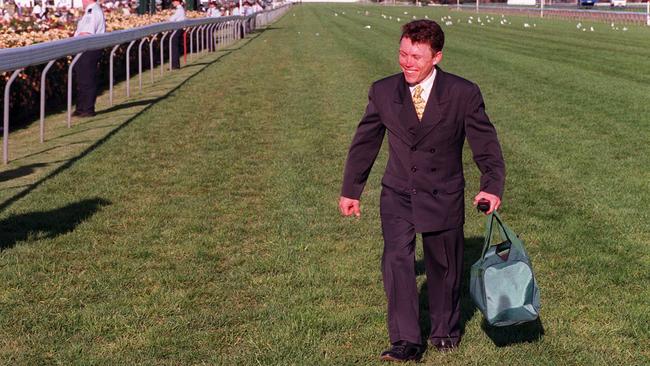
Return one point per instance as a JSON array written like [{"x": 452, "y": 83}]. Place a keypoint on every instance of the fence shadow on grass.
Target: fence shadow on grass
[
  {"x": 500, "y": 336},
  {"x": 136, "y": 103},
  {"x": 8, "y": 202},
  {"x": 47, "y": 224},
  {"x": 21, "y": 171}
]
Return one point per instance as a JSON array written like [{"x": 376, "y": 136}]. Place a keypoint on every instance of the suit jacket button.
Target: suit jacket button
[
  {"x": 413, "y": 191},
  {"x": 414, "y": 169},
  {"x": 435, "y": 192},
  {"x": 433, "y": 151},
  {"x": 413, "y": 148}
]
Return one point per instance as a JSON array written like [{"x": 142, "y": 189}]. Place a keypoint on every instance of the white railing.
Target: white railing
[
  {"x": 203, "y": 35},
  {"x": 563, "y": 12}
]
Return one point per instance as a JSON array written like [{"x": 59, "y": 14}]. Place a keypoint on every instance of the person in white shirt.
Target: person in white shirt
[
  {"x": 179, "y": 12},
  {"x": 178, "y": 16},
  {"x": 126, "y": 11},
  {"x": 92, "y": 22},
  {"x": 60, "y": 4},
  {"x": 213, "y": 12},
  {"x": 37, "y": 11}
]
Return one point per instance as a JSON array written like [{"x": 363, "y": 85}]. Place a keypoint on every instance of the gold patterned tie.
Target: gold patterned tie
[{"x": 418, "y": 101}]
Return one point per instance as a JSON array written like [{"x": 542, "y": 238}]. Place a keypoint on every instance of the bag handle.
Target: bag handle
[{"x": 504, "y": 230}]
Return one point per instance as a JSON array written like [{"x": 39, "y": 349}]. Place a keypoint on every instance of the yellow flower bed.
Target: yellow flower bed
[{"x": 26, "y": 31}]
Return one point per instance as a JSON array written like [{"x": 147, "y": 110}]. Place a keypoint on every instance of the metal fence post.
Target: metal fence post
[
  {"x": 170, "y": 48},
  {"x": 162, "y": 53},
  {"x": 204, "y": 34},
  {"x": 74, "y": 61},
  {"x": 214, "y": 34},
  {"x": 43, "y": 85},
  {"x": 5, "y": 130},
  {"x": 110, "y": 75},
  {"x": 209, "y": 37},
  {"x": 151, "y": 55},
  {"x": 220, "y": 34},
  {"x": 191, "y": 43},
  {"x": 128, "y": 68},
  {"x": 198, "y": 39},
  {"x": 140, "y": 63}
]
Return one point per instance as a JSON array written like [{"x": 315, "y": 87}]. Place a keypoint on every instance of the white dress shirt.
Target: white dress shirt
[{"x": 426, "y": 85}]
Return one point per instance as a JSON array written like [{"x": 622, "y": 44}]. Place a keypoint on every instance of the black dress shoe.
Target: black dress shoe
[
  {"x": 83, "y": 114},
  {"x": 445, "y": 344},
  {"x": 403, "y": 351}
]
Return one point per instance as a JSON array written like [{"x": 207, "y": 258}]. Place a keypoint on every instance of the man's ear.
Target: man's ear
[{"x": 437, "y": 58}]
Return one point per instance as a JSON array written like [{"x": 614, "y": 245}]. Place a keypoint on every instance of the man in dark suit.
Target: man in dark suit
[{"x": 427, "y": 113}]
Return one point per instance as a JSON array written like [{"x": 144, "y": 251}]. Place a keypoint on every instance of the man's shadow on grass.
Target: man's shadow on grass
[
  {"x": 47, "y": 224},
  {"x": 500, "y": 336}
]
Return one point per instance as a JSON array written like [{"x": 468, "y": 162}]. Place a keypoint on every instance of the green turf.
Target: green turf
[{"x": 205, "y": 230}]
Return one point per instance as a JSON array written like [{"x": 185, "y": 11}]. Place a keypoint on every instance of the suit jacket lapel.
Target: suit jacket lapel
[
  {"x": 407, "y": 119},
  {"x": 433, "y": 110}
]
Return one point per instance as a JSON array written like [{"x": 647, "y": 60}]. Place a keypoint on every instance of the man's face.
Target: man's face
[{"x": 417, "y": 60}]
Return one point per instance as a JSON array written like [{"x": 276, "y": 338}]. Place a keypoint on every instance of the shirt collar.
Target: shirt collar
[{"x": 426, "y": 85}]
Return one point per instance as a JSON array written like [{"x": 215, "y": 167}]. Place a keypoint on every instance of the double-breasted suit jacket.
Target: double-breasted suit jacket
[{"x": 425, "y": 157}]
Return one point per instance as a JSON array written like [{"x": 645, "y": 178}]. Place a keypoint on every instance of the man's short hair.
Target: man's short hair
[{"x": 424, "y": 31}]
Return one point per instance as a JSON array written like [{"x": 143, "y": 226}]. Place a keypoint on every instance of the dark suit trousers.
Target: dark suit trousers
[
  {"x": 86, "y": 75},
  {"x": 443, "y": 258}
]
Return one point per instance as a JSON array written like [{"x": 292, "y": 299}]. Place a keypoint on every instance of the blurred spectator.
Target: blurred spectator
[
  {"x": 92, "y": 22},
  {"x": 11, "y": 9},
  {"x": 63, "y": 4},
  {"x": 178, "y": 16},
  {"x": 37, "y": 10},
  {"x": 213, "y": 12}
]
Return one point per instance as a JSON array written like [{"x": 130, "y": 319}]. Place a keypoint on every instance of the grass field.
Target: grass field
[{"x": 204, "y": 228}]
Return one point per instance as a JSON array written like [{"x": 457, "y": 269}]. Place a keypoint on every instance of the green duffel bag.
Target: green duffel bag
[{"x": 502, "y": 283}]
